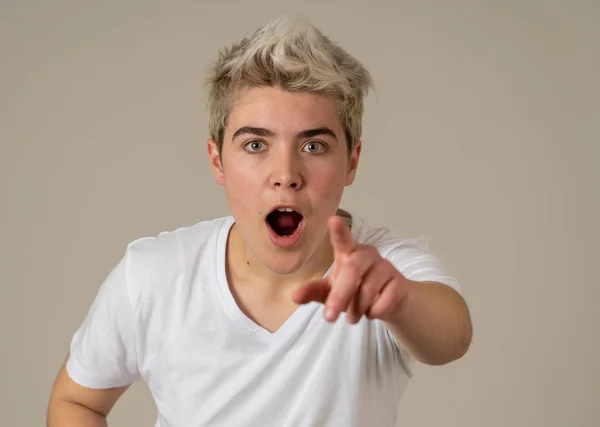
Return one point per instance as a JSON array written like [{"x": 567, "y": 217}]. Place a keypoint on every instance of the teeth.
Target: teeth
[{"x": 285, "y": 210}]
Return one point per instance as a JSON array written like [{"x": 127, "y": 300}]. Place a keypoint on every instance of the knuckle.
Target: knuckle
[
  {"x": 372, "y": 251},
  {"x": 393, "y": 292},
  {"x": 353, "y": 266},
  {"x": 387, "y": 265},
  {"x": 369, "y": 289}
]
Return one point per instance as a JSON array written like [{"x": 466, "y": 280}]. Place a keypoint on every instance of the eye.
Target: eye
[
  {"x": 254, "y": 146},
  {"x": 314, "y": 147}
]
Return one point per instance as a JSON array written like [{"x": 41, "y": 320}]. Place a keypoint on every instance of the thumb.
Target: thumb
[{"x": 314, "y": 291}]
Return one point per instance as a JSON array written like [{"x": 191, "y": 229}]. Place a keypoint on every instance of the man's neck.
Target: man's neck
[{"x": 244, "y": 267}]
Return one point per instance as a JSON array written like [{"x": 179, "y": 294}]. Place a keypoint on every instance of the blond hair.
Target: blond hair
[{"x": 294, "y": 55}]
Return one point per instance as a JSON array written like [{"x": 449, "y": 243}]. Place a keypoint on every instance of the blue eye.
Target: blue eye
[{"x": 314, "y": 147}]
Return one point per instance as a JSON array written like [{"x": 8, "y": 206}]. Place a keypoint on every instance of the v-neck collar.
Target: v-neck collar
[{"x": 301, "y": 315}]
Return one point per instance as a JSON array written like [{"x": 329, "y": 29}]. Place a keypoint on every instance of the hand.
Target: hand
[{"x": 361, "y": 281}]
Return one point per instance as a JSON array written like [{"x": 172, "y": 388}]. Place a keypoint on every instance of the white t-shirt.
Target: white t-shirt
[{"x": 166, "y": 315}]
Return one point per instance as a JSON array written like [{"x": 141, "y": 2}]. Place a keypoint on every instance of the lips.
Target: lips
[{"x": 285, "y": 224}]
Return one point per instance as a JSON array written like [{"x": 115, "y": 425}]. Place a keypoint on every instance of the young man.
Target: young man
[{"x": 289, "y": 312}]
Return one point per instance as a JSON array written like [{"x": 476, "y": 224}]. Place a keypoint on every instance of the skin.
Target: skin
[
  {"x": 429, "y": 319},
  {"x": 290, "y": 166},
  {"x": 271, "y": 164},
  {"x": 73, "y": 405}
]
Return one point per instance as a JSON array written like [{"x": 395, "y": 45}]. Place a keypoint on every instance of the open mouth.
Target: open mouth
[{"x": 284, "y": 221}]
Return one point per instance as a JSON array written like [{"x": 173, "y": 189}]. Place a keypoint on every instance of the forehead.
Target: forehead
[{"x": 283, "y": 111}]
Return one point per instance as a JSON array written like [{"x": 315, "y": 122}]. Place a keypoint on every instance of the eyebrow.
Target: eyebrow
[
  {"x": 257, "y": 131},
  {"x": 251, "y": 130}
]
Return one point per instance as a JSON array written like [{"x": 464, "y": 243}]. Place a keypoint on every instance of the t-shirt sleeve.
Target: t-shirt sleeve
[
  {"x": 103, "y": 349},
  {"x": 414, "y": 259}
]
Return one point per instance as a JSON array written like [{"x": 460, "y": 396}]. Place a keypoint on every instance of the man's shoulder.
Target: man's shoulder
[
  {"x": 156, "y": 265},
  {"x": 160, "y": 258},
  {"x": 179, "y": 241},
  {"x": 412, "y": 256},
  {"x": 383, "y": 238}
]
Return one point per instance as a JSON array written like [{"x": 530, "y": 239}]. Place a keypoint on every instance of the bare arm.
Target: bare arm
[
  {"x": 432, "y": 322},
  {"x": 75, "y": 406}
]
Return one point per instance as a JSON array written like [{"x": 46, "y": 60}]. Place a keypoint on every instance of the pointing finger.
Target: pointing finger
[{"x": 340, "y": 236}]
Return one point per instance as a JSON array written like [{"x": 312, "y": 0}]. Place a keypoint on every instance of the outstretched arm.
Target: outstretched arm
[{"x": 431, "y": 320}]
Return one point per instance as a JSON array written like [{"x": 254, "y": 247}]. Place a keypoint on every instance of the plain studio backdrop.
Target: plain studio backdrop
[{"x": 482, "y": 136}]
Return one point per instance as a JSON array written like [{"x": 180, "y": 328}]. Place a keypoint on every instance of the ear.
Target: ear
[
  {"x": 353, "y": 162},
  {"x": 216, "y": 165}
]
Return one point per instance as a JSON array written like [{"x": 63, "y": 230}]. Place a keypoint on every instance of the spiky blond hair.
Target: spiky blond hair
[{"x": 293, "y": 54}]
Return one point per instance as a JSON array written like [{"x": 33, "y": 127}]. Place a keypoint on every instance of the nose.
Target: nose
[{"x": 286, "y": 173}]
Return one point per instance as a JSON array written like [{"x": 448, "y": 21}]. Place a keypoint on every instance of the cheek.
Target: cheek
[
  {"x": 330, "y": 183},
  {"x": 241, "y": 181}
]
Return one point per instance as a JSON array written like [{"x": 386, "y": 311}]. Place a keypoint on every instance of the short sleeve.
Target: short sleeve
[
  {"x": 415, "y": 261},
  {"x": 103, "y": 350}
]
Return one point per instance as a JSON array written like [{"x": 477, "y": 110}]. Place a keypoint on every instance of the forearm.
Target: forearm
[
  {"x": 63, "y": 413},
  {"x": 432, "y": 322}
]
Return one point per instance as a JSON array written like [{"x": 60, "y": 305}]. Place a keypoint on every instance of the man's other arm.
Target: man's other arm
[{"x": 73, "y": 405}]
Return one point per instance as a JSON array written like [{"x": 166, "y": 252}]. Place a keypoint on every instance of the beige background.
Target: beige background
[{"x": 483, "y": 136}]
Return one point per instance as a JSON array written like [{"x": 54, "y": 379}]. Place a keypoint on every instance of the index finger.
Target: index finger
[{"x": 340, "y": 235}]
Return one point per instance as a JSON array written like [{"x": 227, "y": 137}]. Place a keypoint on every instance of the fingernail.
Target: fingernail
[{"x": 330, "y": 315}]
